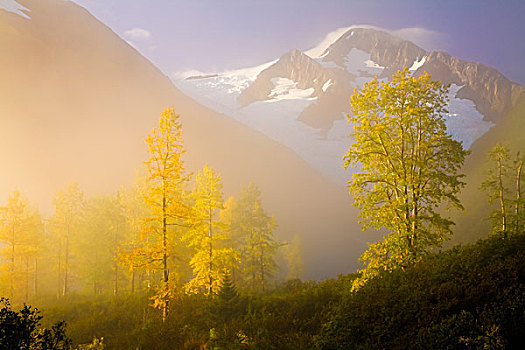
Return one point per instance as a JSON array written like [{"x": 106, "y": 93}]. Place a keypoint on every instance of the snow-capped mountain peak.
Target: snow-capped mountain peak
[
  {"x": 294, "y": 66},
  {"x": 301, "y": 98},
  {"x": 320, "y": 49},
  {"x": 385, "y": 50}
]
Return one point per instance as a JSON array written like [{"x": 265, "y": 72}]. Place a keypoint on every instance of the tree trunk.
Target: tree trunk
[
  {"x": 26, "y": 296},
  {"x": 12, "y": 282},
  {"x": 502, "y": 200},
  {"x": 518, "y": 196},
  {"x": 414, "y": 227},
  {"x": 115, "y": 282},
  {"x": 210, "y": 267},
  {"x": 66, "y": 264},
  {"x": 132, "y": 281},
  {"x": 262, "y": 268},
  {"x": 59, "y": 269},
  {"x": 253, "y": 259},
  {"x": 115, "y": 265},
  {"x": 35, "y": 278},
  {"x": 164, "y": 255}
]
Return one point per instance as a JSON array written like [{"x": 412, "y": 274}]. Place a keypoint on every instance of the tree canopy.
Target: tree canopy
[
  {"x": 408, "y": 167},
  {"x": 503, "y": 184},
  {"x": 22, "y": 330},
  {"x": 166, "y": 193}
]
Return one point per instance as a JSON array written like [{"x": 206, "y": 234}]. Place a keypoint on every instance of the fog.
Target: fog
[{"x": 76, "y": 103}]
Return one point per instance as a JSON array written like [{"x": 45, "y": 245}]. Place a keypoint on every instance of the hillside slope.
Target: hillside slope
[
  {"x": 76, "y": 102},
  {"x": 473, "y": 223},
  {"x": 469, "y": 297}
]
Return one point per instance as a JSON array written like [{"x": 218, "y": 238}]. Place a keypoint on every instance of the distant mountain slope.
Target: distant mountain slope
[
  {"x": 300, "y": 101},
  {"x": 474, "y": 221},
  {"x": 493, "y": 94},
  {"x": 76, "y": 102}
]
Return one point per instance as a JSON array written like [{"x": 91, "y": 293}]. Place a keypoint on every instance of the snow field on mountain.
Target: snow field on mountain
[
  {"x": 327, "y": 85},
  {"x": 358, "y": 63},
  {"x": 14, "y": 7},
  {"x": 464, "y": 122},
  {"x": 417, "y": 63},
  {"x": 286, "y": 89},
  {"x": 277, "y": 119},
  {"x": 318, "y": 50}
]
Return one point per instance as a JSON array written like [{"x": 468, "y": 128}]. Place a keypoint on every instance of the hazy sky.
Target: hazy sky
[{"x": 216, "y": 35}]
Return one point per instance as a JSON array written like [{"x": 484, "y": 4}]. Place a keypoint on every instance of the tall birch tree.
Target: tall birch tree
[{"x": 406, "y": 166}]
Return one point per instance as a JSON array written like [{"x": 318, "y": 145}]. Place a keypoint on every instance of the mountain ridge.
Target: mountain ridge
[
  {"x": 481, "y": 99},
  {"x": 493, "y": 93},
  {"x": 311, "y": 94}
]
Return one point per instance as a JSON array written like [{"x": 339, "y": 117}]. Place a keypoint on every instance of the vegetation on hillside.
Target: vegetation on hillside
[
  {"x": 469, "y": 297},
  {"x": 170, "y": 263}
]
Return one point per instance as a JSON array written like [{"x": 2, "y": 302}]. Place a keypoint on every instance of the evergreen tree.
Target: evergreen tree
[
  {"x": 227, "y": 303},
  {"x": 257, "y": 244},
  {"x": 294, "y": 258},
  {"x": 102, "y": 231},
  {"x": 21, "y": 330},
  {"x": 230, "y": 216},
  {"x": 132, "y": 252},
  {"x": 518, "y": 202},
  {"x": 22, "y": 234}
]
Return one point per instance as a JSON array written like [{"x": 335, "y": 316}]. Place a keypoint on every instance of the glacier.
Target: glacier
[{"x": 417, "y": 63}]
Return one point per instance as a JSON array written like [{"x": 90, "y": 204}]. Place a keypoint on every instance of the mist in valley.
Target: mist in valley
[{"x": 153, "y": 209}]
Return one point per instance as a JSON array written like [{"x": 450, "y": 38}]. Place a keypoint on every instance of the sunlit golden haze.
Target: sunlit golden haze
[{"x": 77, "y": 102}]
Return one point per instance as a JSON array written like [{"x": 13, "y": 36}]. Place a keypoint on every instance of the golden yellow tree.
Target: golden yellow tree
[
  {"x": 21, "y": 231},
  {"x": 212, "y": 259},
  {"x": 408, "y": 167},
  {"x": 133, "y": 250},
  {"x": 165, "y": 195},
  {"x": 230, "y": 217}
]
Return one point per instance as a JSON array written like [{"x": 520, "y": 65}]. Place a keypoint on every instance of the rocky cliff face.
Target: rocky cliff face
[
  {"x": 293, "y": 65},
  {"x": 330, "y": 105},
  {"x": 492, "y": 92},
  {"x": 361, "y": 53},
  {"x": 388, "y": 51}
]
